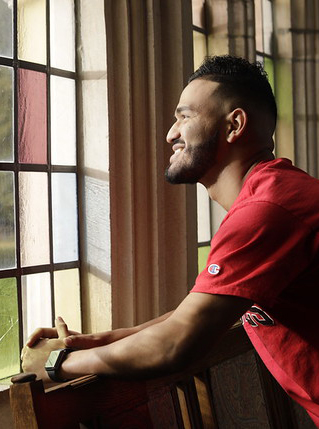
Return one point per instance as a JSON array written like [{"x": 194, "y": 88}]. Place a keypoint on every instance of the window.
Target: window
[
  {"x": 231, "y": 23},
  {"x": 39, "y": 256},
  {"x": 264, "y": 37}
]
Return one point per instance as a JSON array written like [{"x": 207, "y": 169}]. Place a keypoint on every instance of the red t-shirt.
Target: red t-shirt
[{"x": 267, "y": 250}]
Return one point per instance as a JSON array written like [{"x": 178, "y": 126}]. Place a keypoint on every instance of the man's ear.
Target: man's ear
[{"x": 236, "y": 124}]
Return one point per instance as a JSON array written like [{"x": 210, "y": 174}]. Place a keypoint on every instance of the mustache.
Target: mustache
[{"x": 175, "y": 141}]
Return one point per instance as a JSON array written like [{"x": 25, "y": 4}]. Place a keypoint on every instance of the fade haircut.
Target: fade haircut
[{"x": 244, "y": 82}]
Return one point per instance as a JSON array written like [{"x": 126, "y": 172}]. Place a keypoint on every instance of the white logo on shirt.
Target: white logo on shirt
[{"x": 213, "y": 269}]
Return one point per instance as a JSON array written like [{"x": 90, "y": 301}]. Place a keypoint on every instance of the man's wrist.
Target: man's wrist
[{"x": 54, "y": 363}]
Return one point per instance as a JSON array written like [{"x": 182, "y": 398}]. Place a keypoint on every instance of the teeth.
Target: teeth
[{"x": 178, "y": 150}]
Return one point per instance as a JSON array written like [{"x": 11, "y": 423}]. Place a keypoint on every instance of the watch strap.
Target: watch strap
[{"x": 53, "y": 371}]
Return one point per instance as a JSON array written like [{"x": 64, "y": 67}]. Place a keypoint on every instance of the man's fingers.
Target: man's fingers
[
  {"x": 82, "y": 341},
  {"x": 61, "y": 327},
  {"x": 41, "y": 333}
]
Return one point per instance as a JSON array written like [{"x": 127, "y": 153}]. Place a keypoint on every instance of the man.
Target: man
[{"x": 264, "y": 260}]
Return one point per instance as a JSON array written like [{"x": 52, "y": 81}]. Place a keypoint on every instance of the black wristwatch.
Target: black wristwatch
[{"x": 54, "y": 362}]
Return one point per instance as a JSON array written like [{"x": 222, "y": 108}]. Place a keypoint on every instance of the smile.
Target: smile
[{"x": 177, "y": 148}]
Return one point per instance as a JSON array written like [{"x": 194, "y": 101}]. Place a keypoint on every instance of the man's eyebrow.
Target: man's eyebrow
[{"x": 181, "y": 109}]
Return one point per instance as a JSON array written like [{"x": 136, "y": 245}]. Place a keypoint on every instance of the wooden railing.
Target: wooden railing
[{"x": 183, "y": 400}]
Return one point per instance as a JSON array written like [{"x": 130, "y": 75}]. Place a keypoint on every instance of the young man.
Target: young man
[{"x": 264, "y": 260}]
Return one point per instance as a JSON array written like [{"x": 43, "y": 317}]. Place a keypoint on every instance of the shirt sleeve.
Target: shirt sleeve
[{"x": 258, "y": 251}]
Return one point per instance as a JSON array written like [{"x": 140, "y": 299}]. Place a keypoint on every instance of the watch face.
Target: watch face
[{"x": 53, "y": 359}]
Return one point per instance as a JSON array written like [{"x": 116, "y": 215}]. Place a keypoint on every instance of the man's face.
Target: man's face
[{"x": 195, "y": 133}]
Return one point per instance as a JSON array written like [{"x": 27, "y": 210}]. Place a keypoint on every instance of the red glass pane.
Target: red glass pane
[{"x": 32, "y": 111}]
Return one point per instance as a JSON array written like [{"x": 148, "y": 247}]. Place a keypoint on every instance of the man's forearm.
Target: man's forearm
[
  {"x": 170, "y": 345},
  {"x": 148, "y": 352}
]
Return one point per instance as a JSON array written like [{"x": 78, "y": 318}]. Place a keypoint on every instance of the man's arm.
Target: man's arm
[
  {"x": 86, "y": 341},
  {"x": 173, "y": 344}
]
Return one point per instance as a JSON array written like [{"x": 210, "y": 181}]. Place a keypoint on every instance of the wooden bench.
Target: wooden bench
[{"x": 183, "y": 400}]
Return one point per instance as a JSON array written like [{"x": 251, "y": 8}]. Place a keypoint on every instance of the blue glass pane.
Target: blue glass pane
[{"x": 64, "y": 212}]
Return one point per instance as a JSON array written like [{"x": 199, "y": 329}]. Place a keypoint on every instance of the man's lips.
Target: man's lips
[{"x": 177, "y": 148}]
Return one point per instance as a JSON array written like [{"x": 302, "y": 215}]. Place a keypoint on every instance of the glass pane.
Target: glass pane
[
  {"x": 6, "y": 114},
  {"x": 9, "y": 328},
  {"x": 203, "y": 214},
  {"x": 67, "y": 284},
  {"x": 7, "y": 222},
  {"x": 64, "y": 213},
  {"x": 62, "y": 34},
  {"x": 203, "y": 253},
  {"x": 32, "y": 31},
  {"x": 200, "y": 48},
  {"x": 32, "y": 111},
  {"x": 258, "y": 26},
  {"x": 36, "y": 302},
  {"x": 269, "y": 67},
  {"x": 34, "y": 219},
  {"x": 267, "y": 26},
  {"x": 63, "y": 128},
  {"x": 260, "y": 59},
  {"x": 6, "y": 20},
  {"x": 198, "y": 13}
]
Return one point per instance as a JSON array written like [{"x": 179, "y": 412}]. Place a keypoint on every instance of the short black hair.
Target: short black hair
[{"x": 239, "y": 80}]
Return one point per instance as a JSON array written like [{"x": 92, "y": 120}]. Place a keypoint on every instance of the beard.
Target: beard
[{"x": 196, "y": 163}]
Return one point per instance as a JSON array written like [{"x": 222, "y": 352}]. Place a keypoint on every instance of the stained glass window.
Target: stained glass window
[{"x": 39, "y": 256}]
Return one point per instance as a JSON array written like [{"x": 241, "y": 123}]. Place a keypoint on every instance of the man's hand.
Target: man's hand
[
  {"x": 45, "y": 333},
  {"x": 34, "y": 358}
]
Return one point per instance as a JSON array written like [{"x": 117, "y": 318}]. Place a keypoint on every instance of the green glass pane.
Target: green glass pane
[
  {"x": 284, "y": 91},
  {"x": 6, "y": 114},
  {"x": 7, "y": 224},
  {"x": 269, "y": 67},
  {"x": 202, "y": 257},
  {"x": 9, "y": 329}
]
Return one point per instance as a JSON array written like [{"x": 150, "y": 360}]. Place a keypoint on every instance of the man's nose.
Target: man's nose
[{"x": 173, "y": 134}]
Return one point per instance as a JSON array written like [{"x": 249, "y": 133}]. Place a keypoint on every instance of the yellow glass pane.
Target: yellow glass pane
[
  {"x": 200, "y": 48},
  {"x": 67, "y": 297},
  {"x": 32, "y": 31}
]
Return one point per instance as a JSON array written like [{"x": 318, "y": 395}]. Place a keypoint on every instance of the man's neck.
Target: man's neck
[{"x": 231, "y": 179}]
